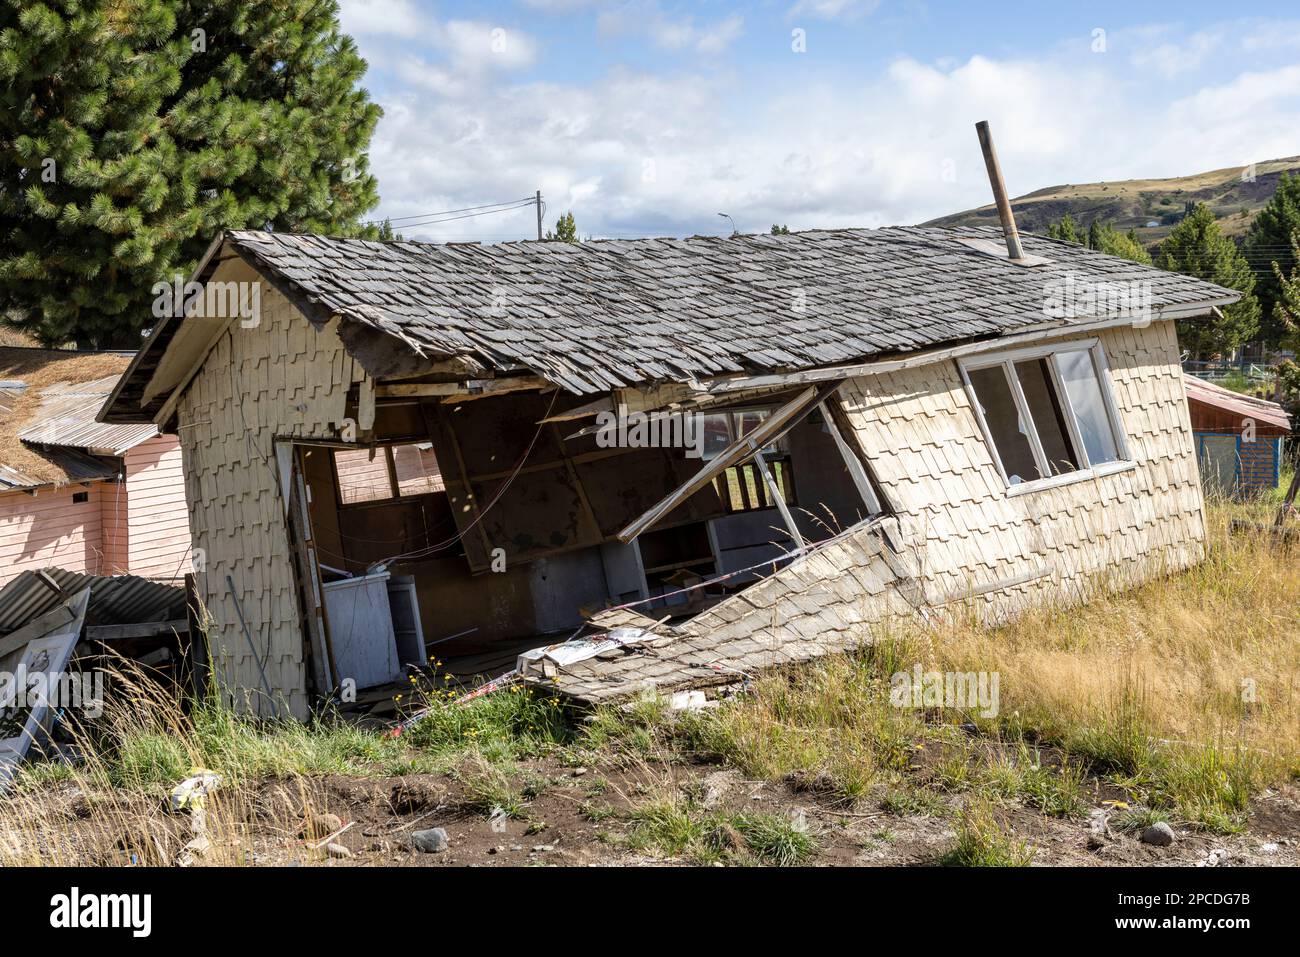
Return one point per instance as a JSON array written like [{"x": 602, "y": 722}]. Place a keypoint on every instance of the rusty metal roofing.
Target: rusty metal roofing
[
  {"x": 1249, "y": 407},
  {"x": 114, "y": 599},
  {"x": 66, "y": 418}
]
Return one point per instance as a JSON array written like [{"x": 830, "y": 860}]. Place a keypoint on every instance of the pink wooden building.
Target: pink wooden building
[{"x": 77, "y": 494}]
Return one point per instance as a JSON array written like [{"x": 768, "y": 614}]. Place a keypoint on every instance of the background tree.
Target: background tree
[
  {"x": 1094, "y": 234},
  {"x": 1286, "y": 307},
  {"x": 1064, "y": 229},
  {"x": 1269, "y": 241},
  {"x": 780, "y": 230},
  {"x": 1112, "y": 242},
  {"x": 133, "y": 131},
  {"x": 1102, "y": 237},
  {"x": 1197, "y": 247},
  {"x": 566, "y": 230}
]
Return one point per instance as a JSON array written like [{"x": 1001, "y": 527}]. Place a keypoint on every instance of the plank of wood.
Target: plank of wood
[
  {"x": 36, "y": 628},
  {"x": 405, "y": 390},
  {"x": 483, "y": 388},
  {"x": 772, "y": 428},
  {"x": 143, "y": 629}
]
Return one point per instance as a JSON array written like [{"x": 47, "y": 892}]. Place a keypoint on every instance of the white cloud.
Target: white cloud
[
  {"x": 1276, "y": 36},
  {"x": 1171, "y": 59},
  {"x": 475, "y": 45},
  {"x": 671, "y": 33},
  {"x": 362, "y": 18},
  {"x": 843, "y": 10},
  {"x": 641, "y": 154}
]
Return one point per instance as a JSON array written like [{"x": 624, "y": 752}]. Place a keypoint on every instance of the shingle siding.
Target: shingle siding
[
  {"x": 281, "y": 378},
  {"x": 959, "y": 540}
]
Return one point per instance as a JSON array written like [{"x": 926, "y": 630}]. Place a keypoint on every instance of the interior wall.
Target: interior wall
[{"x": 828, "y": 500}]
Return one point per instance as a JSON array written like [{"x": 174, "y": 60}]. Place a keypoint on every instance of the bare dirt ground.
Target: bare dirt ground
[{"x": 581, "y": 816}]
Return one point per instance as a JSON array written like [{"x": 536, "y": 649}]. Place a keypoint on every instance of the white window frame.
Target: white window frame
[{"x": 1100, "y": 368}]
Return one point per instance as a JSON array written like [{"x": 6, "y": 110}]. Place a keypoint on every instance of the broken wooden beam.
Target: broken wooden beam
[
  {"x": 36, "y": 628},
  {"x": 143, "y": 629}
]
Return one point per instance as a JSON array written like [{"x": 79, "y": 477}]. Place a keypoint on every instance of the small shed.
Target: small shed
[{"x": 1239, "y": 438}]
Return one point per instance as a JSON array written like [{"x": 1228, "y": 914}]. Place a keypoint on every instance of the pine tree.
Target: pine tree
[
  {"x": 1286, "y": 309},
  {"x": 1197, "y": 247},
  {"x": 1064, "y": 230},
  {"x": 566, "y": 230},
  {"x": 1102, "y": 237},
  {"x": 1269, "y": 242},
  {"x": 1114, "y": 243},
  {"x": 133, "y": 131}
]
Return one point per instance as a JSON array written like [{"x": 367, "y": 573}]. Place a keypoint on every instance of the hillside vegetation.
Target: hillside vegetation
[{"x": 1137, "y": 202}]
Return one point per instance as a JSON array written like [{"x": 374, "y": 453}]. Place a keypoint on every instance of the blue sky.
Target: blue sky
[{"x": 648, "y": 117}]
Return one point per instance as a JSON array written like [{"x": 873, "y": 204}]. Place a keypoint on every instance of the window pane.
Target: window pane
[
  {"x": 417, "y": 469},
  {"x": 1084, "y": 390},
  {"x": 1045, "y": 409},
  {"x": 747, "y": 422},
  {"x": 362, "y": 479},
  {"x": 1219, "y": 464},
  {"x": 993, "y": 393},
  {"x": 717, "y": 434}
]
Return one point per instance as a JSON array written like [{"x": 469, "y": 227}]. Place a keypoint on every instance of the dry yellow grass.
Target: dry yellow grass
[
  {"x": 1210, "y": 656},
  {"x": 1185, "y": 692}
]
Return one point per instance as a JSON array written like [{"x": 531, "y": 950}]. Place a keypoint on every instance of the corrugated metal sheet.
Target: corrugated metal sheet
[
  {"x": 76, "y": 466},
  {"x": 114, "y": 599},
  {"x": 1198, "y": 390},
  {"x": 67, "y": 418}
]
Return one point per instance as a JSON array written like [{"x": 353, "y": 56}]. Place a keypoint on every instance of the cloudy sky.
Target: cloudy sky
[{"x": 649, "y": 117}]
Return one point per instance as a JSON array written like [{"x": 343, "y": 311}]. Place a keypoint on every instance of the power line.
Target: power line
[
  {"x": 445, "y": 212},
  {"x": 452, "y": 219}
]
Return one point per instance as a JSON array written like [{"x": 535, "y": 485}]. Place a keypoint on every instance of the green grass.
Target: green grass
[
  {"x": 982, "y": 841},
  {"x": 914, "y": 802},
  {"x": 489, "y": 789},
  {"x": 678, "y": 828}
]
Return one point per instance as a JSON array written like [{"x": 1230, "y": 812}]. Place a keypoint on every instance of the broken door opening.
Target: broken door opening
[{"x": 506, "y": 531}]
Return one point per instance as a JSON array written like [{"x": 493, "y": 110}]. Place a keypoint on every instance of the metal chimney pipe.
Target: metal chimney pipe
[{"x": 999, "y": 191}]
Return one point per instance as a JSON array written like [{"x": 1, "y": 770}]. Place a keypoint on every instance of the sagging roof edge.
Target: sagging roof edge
[{"x": 387, "y": 355}]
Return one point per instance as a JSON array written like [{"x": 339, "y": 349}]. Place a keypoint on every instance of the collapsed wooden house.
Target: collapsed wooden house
[{"x": 404, "y": 446}]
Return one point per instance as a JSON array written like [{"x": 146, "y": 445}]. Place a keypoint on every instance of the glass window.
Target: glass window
[
  {"x": 747, "y": 422},
  {"x": 417, "y": 469},
  {"x": 1049, "y": 420},
  {"x": 1002, "y": 417},
  {"x": 717, "y": 434},
  {"x": 1079, "y": 376},
  {"x": 1046, "y": 415},
  {"x": 363, "y": 475}
]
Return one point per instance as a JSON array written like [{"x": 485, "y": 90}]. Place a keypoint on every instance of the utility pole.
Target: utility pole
[{"x": 539, "y": 214}]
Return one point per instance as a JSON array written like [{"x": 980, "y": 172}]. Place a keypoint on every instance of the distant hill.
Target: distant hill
[{"x": 1137, "y": 202}]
